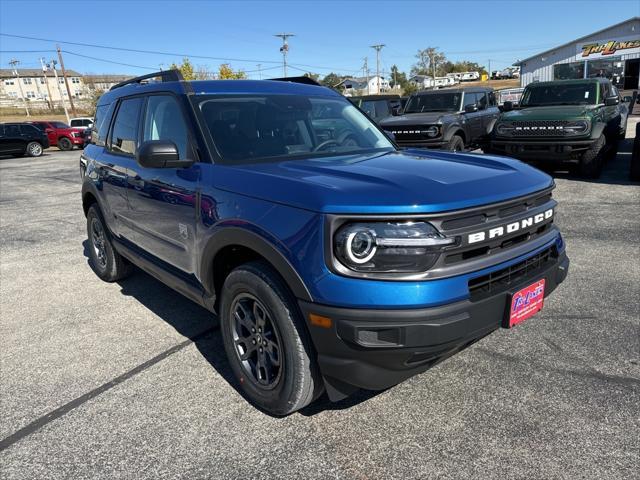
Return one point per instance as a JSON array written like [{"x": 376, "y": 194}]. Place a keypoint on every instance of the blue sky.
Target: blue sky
[{"x": 330, "y": 35}]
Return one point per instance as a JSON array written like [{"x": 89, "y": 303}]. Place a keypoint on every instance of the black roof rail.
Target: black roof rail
[
  {"x": 166, "y": 76},
  {"x": 302, "y": 79}
]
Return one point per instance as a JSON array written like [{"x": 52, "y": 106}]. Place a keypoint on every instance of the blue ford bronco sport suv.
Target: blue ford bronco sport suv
[{"x": 333, "y": 261}]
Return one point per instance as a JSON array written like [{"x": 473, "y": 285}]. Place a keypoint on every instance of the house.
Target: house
[
  {"x": 359, "y": 86},
  {"x": 102, "y": 83}
]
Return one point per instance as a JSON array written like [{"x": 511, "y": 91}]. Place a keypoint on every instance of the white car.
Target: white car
[{"x": 81, "y": 122}]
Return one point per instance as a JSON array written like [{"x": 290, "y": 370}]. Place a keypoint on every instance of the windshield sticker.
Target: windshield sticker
[{"x": 586, "y": 94}]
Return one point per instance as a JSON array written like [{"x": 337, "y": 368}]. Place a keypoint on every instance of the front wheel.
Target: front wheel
[
  {"x": 266, "y": 340},
  {"x": 456, "y": 144},
  {"x": 34, "y": 149},
  {"x": 592, "y": 160},
  {"x": 65, "y": 144}
]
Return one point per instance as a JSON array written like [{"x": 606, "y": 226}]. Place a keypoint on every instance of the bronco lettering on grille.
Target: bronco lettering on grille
[{"x": 510, "y": 228}]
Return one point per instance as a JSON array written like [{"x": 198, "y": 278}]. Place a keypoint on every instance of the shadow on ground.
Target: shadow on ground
[{"x": 201, "y": 327}]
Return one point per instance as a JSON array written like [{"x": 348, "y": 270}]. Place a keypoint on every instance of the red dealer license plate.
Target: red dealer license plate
[{"x": 526, "y": 303}]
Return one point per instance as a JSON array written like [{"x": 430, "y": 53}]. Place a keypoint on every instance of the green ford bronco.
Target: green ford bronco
[{"x": 577, "y": 122}]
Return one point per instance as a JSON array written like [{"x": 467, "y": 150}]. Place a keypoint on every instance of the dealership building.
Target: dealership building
[{"x": 613, "y": 52}]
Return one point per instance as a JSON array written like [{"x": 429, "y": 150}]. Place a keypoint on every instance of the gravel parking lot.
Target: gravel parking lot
[{"x": 129, "y": 380}]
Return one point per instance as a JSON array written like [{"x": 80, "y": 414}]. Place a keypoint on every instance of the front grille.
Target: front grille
[
  {"x": 502, "y": 280},
  {"x": 410, "y": 133},
  {"x": 539, "y": 128}
]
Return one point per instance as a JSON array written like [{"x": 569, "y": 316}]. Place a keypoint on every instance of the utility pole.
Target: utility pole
[
  {"x": 66, "y": 81},
  {"x": 46, "y": 82},
  {"x": 13, "y": 64},
  {"x": 259, "y": 71},
  {"x": 284, "y": 49},
  {"x": 377, "y": 49},
  {"x": 366, "y": 73},
  {"x": 64, "y": 105}
]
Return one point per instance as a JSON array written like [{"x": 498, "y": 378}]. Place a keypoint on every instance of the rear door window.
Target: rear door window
[
  {"x": 29, "y": 130},
  {"x": 124, "y": 134}
]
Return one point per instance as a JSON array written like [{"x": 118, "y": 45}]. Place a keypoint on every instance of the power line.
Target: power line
[
  {"x": 153, "y": 52},
  {"x": 109, "y": 61}
]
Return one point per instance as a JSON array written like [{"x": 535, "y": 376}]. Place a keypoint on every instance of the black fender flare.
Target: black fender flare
[
  {"x": 597, "y": 130},
  {"x": 228, "y": 236},
  {"x": 452, "y": 129},
  {"x": 89, "y": 187}
]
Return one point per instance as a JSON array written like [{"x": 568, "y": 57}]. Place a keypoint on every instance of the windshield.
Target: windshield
[
  {"x": 559, "y": 94},
  {"x": 258, "y": 127},
  {"x": 440, "y": 102},
  {"x": 59, "y": 125}
]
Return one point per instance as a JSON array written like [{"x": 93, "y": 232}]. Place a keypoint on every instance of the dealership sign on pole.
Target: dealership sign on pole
[{"x": 609, "y": 48}]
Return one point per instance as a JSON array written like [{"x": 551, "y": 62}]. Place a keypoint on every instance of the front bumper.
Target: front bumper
[
  {"x": 561, "y": 149},
  {"x": 77, "y": 140},
  {"x": 376, "y": 349}
]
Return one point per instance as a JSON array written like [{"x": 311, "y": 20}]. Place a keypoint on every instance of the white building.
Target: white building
[
  {"x": 359, "y": 86},
  {"x": 613, "y": 52},
  {"x": 36, "y": 87}
]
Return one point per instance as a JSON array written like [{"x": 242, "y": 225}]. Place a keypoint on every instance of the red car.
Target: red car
[{"x": 61, "y": 135}]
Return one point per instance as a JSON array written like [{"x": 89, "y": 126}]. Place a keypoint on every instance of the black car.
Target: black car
[
  {"x": 451, "y": 119},
  {"x": 19, "y": 139},
  {"x": 379, "y": 107}
]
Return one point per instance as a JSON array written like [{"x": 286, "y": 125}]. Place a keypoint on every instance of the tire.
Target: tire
[
  {"x": 592, "y": 160},
  {"x": 456, "y": 144},
  {"x": 65, "y": 144},
  {"x": 34, "y": 149},
  {"x": 105, "y": 261},
  {"x": 266, "y": 341}
]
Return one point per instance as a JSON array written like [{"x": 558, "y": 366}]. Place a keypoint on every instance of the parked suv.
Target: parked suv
[
  {"x": 575, "y": 122},
  {"x": 19, "y": 139},
  {"x": 330, "y": 265},
  {"x": 452, "y": 119},
  {"x": 61, "y": 135}
]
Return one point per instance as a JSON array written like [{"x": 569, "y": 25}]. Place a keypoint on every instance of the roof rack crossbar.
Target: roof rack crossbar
[
  {"x": 302, "y": 79},
  {"x": 166, "y": 76}
]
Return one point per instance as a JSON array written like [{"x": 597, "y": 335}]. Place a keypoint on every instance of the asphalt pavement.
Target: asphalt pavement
[{"x": 129, "y": 380}]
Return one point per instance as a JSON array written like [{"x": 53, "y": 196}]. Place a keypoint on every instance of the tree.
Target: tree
[
  {"x": 186, "y": 69},
  {"x": 409, "y": 88},
  {"x": 225, "y": 72},
  {"x": 428, "y": 61},
  {"x": 331, "y": 80},
  {"x": 203, "y": 73},
  {"x": 312, "y": 76},
  {"x": 398, "y": 78}
]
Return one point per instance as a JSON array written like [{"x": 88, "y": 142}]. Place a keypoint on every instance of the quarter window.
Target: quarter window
[
  {"x": 125, "y": 127},
  {"x": 164, "y": 121}
]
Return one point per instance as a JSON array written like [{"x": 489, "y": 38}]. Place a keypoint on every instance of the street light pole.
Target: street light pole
[
  {"x": 13, "y": 64},
  {"x": 377, "y": 49},
  {"x": 284, "y": 49}
]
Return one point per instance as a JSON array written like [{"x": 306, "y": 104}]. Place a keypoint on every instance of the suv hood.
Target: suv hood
[
  {"x": 556, "y": 112},
  {"x": 409, "y": 181},
  {"x": 427, "y": 118}
]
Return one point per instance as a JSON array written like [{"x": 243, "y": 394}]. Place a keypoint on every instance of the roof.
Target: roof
[
  {"x": 572, "y": 81},
  {"x": 212, "y": 87},
  {"x": 632, "y": 19},
  {"x": 32, "y": 72}
]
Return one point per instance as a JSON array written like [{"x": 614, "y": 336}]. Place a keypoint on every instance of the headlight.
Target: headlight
[
  {"x": 504, "y": 129},
  {"x": 75, "y": 134},
  {"x": 576, "y": 128},
  {"x": 389, "y": 247},
  {"x": 432, "y": 131}
]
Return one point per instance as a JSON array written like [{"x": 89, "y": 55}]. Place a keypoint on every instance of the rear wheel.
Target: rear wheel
[
  {"x": 456, "y": 144},
  {"x": 108, "y": 264},
  {"x": 65, "y": 144},
  {"x": 34, "y": 149},
  {"x": 592, "y": 160},
  {"x": 266, "y": 340}
]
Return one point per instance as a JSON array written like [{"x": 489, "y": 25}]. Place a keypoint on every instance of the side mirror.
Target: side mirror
[
  {"x": 507, "y": 106},
  {"x": 471, "y": 108},
  {"x": 396, "y": 110},
  {"x": 611, "y": 101},
  {"x": 160, "y": 154},
  {"x": 627, "y": 99}
]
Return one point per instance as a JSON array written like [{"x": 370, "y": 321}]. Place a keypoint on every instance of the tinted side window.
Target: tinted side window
[
  {"x": 469, "y": 99},
  {"x": 125, "y": 127},
  {"x": 12, "y": 130},
  {"x": 100, "y": 125},
  {"x": 29, "y": 130},
  {"x": 1, "y": 130},
  {"x": 164, "y": 121},
  {"x": 482, "y": 100}
]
